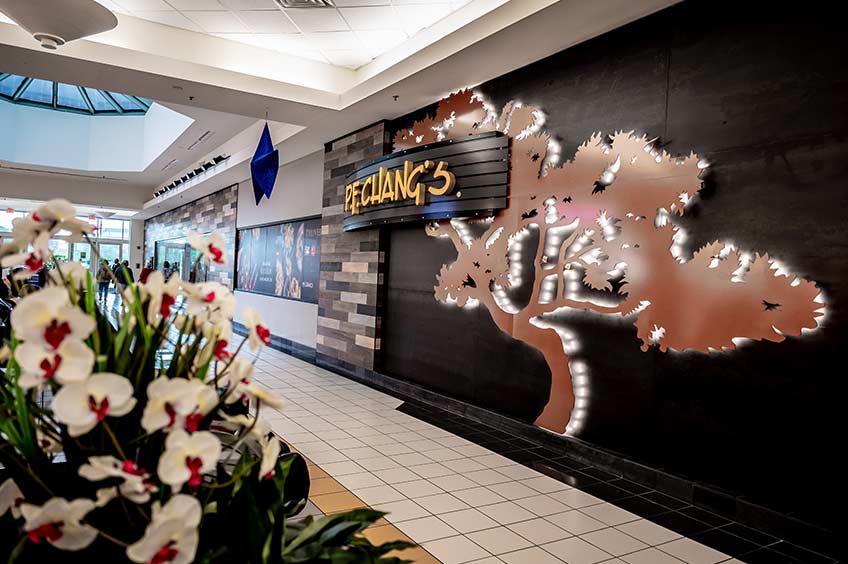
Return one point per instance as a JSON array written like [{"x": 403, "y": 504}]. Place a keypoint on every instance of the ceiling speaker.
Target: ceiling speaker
[{"x": 55, "y": 23}]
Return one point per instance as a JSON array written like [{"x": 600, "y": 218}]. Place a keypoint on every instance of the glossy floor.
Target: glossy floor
[{"x": 463, "y": 502}]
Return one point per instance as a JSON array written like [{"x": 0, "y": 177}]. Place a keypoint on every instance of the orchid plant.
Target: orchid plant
[{"x": 139, "y": 438}]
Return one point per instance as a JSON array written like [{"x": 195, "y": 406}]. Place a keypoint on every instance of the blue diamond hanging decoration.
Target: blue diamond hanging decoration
[{"x": 264, "y": 166}]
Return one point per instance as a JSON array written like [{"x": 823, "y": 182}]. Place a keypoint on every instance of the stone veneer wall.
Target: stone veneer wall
[
  {"x": 350, "y": 290},
  {"x": 215, "y": 212}
]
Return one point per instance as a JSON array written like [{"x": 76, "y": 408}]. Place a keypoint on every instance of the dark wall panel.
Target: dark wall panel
[
  {"x": 762, "y": 94},
  {"x": 455, "y": 351}
]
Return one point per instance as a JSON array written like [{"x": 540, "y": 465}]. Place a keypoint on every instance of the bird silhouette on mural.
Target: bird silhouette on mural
[{"x": 599, "y": 233}]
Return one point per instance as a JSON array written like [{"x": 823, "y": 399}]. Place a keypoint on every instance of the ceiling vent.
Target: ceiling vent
[{"x": 305, "y": 3}]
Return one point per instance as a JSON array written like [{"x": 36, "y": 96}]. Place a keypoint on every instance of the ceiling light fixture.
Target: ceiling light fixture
[{"x": 55, "y": 23}]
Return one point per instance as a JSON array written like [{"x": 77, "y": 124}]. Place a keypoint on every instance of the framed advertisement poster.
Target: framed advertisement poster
[{"x": 281, "y": 260}]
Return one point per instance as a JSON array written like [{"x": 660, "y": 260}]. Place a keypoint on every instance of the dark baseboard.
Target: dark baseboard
[{"x": 732, "y": 506}]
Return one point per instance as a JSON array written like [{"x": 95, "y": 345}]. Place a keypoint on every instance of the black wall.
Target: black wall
[{"x": 761, "y": 91}]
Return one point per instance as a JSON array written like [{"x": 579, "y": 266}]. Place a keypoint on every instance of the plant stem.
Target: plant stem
[{"x": 115, "y": 442}]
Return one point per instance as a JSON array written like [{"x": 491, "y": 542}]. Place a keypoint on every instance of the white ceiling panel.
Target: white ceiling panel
[
  {"x": 217, "y": 22},
  {"x": 371, "y": 17},
  {"x": 249, "y": 4},
  {"x": 381, "y": 40},
  {"x": 196, "y": 5},
  {"x": 267, "y": 21},
  {"x": 172, "y": 18},
  {"x": 143, "y": 5},
  {"x": 336, "y": 40},
  {"x": 356, "y": 31},
  {"x": 349, "y": 3},
  {"x": 319, "y": 19},
  {"x": 414, "y": 18}
]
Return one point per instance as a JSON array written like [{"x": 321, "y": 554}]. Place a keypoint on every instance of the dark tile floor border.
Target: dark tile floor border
[{"x": 717, "y": 518}]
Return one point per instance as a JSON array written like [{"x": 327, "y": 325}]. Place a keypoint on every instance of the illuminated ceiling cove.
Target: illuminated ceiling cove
[
  {"x": 600, "y": 233},
  {"x": 349, "y": 34}
]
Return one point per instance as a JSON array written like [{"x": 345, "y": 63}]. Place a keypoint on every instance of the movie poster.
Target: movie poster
[{"x": 280, "y": 260}]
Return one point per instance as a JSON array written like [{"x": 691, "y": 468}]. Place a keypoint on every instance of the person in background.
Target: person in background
[
  {"x": 166, "y": 270},
  {"x": 116, "y": 269},
  {"x": 104, "y": 276},
  {"x": 124, "y": 277},
  {"x": 145, "y": 272}
]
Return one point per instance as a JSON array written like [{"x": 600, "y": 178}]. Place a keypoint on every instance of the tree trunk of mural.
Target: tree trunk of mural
[{"x": 557, "y": 411}]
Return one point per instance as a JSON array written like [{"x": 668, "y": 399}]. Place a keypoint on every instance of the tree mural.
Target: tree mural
[{"x": 600, "y": 233}]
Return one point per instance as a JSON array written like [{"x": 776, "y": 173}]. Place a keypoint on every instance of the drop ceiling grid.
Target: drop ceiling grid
[{"x": 351, "y": 34}]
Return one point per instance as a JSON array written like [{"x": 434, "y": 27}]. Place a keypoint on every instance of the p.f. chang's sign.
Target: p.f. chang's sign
[
  {"x": 385, "y": 186},
  {"x": 456, "y": 178}
]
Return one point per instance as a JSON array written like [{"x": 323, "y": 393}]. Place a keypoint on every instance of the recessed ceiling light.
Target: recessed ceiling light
[{"x": 305, "y": 3}]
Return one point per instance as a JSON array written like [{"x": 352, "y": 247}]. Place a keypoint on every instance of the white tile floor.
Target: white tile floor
[{"x": 458, "y": 500}]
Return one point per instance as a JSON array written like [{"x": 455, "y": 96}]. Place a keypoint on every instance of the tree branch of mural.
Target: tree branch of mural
[{"x": 608, "y": 242}]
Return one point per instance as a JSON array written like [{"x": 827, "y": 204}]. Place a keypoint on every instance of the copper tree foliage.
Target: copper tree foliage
[{"x": 608, "y": 242}]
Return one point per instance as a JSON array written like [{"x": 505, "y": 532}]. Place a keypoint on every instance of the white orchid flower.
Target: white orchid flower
[
  {"x": 270, "y": 454},
  {"x": 11, "y": 498},
  {"x": 188, "y": 457},
  {"x": 162, "y": 294},
  {"x": 71, "y": 362},
  {"x": 172, "y": 534},
  {"x": 212, "y": 247},
  {"x": 258, "y": 335},
  {"x": 25, "y": 230},
  {"x": 48, "y": 318},
  {"x": 136, "y": 485},
  {"x": 263, "y": 395},
  {"x": 58, "y": 522},
  {"x": 210, "y": 302},
  {"x": 177, "y": 403},
  {"x": 236, "y": 379},
  {"x": 73, "y": 272},
  {"x": 82, "y": 405},
  {"x": 33, "y": 260},
  {"x": 61, "y": 214},
  {"x": 258, "y": 430}
]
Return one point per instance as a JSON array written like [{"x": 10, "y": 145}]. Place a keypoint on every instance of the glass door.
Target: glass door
[
  {"x": 109, "y": 252},
  {"x": 81, "y": 253}
]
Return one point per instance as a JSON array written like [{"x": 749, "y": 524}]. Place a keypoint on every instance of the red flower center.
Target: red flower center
[
  {"x": 131, "y": 467},
  {"x": 33, "y": 262},
  {"x": 100, "y": 409},
  {"x": 192, "y": 421},
  {"x": 165, "y": 554},
  {"x": 221, "y": 352},
  {"x": 35, "y": 217},
  {"x": 172, "y": 414},
  {"x": 50, "y": 368},
  {"x": 217, "y": 254},
  {"x": 193, "y": 464},
  {"x": 209, "y": 298},
  {"x": 48, "y": 531},
  {"x": 167, "y": 301},
  {"x": 56, "y": 332},
  {"x": 268, "y": 475},
  {"x": 264, "y": 334}
]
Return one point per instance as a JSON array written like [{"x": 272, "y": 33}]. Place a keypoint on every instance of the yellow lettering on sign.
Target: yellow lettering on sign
[{"x": 386, "y": 186}]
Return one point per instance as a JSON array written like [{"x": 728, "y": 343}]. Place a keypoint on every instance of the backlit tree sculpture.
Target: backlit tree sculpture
[{"x": 601, "y": 234}]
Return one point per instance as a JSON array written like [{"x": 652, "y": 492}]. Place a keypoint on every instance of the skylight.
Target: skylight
[{"x": 68, "y": 97}]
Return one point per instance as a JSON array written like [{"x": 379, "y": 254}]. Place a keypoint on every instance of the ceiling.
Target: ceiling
[
  {"x": 351, "y": 34},
  {"x": 308, "y": 102}
]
